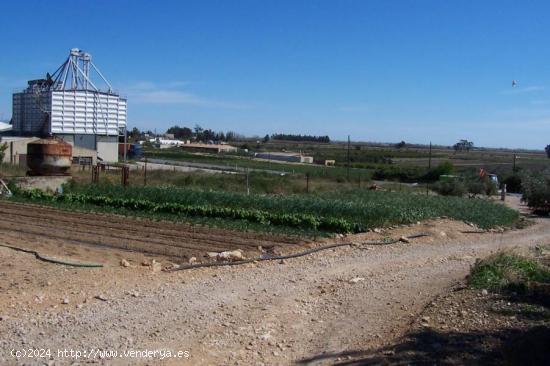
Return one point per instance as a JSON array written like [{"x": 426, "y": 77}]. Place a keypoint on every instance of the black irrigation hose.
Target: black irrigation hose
[
  {"x": 281, "y": 257},
  {"x": 52, "y": 260},
  {"x": 393, "y": 241}
]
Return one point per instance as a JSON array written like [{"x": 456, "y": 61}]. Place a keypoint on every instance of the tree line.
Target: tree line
[
  {"x": 185, "y": 133},
  {"x": 292, "y": 137}
]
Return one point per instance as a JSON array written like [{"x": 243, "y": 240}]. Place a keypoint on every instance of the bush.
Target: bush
[
  {"x": 491, "y": 188},
  {"x": 452, "y": 187},
  {"x": 513, "y": 183},
  {"x": 444, "y": 168},
  {"x": 398, "y": 173},
  {"x": 507, "y": 272},
  {"x": 476, "y": 185},
  {"x": 536, "y": 191}
]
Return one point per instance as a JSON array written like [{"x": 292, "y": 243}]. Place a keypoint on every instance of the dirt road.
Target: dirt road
[{"x": 302, "y": 310}]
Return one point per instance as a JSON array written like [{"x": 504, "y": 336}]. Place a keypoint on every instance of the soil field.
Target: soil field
[
  {"x": 43, "y": 228},
  {"x": 331, "y": 307}
]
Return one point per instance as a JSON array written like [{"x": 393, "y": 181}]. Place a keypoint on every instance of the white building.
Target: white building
[{"x": 70, "y": 105}]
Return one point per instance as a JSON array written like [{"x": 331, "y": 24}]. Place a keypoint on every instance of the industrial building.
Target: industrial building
[
  {"x": 286, "y": 157},
  {"x": 68, "y": 104}
]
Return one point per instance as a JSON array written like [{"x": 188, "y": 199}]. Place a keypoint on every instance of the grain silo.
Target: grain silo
[{"x": 70, "y": 105}]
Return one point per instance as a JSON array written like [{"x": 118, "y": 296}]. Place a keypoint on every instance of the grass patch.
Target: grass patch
[{"x": 505, "y": 272}]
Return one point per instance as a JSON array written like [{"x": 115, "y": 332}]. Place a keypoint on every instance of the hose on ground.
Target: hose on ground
[
  {"x": 53, "y": 260},
  {"x": 290, "y": 256},
  {"x": 392, "y": 241}
]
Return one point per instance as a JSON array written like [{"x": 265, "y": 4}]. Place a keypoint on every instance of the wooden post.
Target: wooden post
[
  {"x": 125, "y": 175},
  {"x": 307, "y": 182},
  {"x": 95, "y": 173},
  {"x": 247, "y": 183},
  {"x": 145, "y": 173}
]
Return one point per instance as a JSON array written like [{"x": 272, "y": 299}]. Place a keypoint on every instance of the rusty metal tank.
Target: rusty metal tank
[{"x": 49, "y": 157}]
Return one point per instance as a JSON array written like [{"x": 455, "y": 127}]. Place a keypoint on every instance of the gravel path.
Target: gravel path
[{"x": 265, "y": 313}]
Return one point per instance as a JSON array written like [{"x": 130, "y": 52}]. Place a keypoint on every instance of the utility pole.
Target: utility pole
[{"x": 348, "y": 155}]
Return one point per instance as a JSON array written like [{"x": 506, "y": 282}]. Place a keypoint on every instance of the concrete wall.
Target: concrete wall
[
  {"x": 291, "y": 158},
  {"x": 48, "y": 184},
  {"x": 17, "y": 147},
  {"x": 105, "y": 146},
  {"x": 83, "y": 152}
]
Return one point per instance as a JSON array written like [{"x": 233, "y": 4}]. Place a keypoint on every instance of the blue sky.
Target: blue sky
[{"x": 377, "y": 70}]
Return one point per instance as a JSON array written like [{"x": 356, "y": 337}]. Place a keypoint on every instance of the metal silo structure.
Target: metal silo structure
[{"x": 69, "y": 104}]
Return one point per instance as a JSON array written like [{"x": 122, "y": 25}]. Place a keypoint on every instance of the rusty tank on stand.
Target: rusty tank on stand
[{"x": 49, "y": 156}]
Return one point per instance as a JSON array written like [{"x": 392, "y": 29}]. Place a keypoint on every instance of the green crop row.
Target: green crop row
[
  {"x": 303, "y": 220},
  {"x": 337, "y": 212}
]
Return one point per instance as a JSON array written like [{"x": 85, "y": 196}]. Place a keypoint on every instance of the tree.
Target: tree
[
  {"x": 463, "y": 145},
  {"x": 547, "y": 148},
  {"x": 536, "y": 191},
  {"x": 401, "y": 145},
  {"x": 135, "y": 134},
  {"x": 291, "y": 137},
  {"x": 180, "y": 133},
  {"x": 266, "y": 138}
]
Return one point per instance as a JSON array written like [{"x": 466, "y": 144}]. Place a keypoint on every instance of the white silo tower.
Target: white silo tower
[{"x": 70, "y": 105}]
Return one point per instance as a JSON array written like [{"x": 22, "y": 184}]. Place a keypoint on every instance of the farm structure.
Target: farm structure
[
  {"x": 70, "y": 106},
  {"x": 16, "y": 151},
  {"x": 286, "y": 157}
]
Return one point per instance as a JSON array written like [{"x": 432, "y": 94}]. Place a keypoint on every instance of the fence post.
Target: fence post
[
  {"x": 95, "y": 173},
  {"x": 145, "y": 173},
  {"x": 125, "y": 175},
  {"x": 247, "y": 183}
]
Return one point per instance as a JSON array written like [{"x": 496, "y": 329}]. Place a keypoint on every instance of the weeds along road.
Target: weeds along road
[{"x": 265, "y": 313}]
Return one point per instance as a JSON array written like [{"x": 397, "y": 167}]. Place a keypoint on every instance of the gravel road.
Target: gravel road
[{"x": 272, "y": 313}]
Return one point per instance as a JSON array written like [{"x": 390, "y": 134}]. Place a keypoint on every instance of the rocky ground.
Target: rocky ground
[
  {"x": 337, "y": 306},
  {"x": 470, "y": 327}
]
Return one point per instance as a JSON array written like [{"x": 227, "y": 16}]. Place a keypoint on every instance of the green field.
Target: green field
[
  {"x": 367, "y": 161},
  {"x": 336, "y": 212}
]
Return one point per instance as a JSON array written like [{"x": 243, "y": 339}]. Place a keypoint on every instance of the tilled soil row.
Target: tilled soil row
[
  {"x": 145, "y": 225},
  {"x": 125, "y": 233}
]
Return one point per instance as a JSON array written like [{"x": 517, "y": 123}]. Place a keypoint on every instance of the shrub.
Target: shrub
[
  {"x": 513, "y": 183},
  {"x": 445, "y": 168},
  {"x": 452, "y": 187},
  {"x": 507, "y": 272},
  {"x": 476, "y": 185},
  {"x": 398, "y": 173},
  {"x": 536, "y": 191}
]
